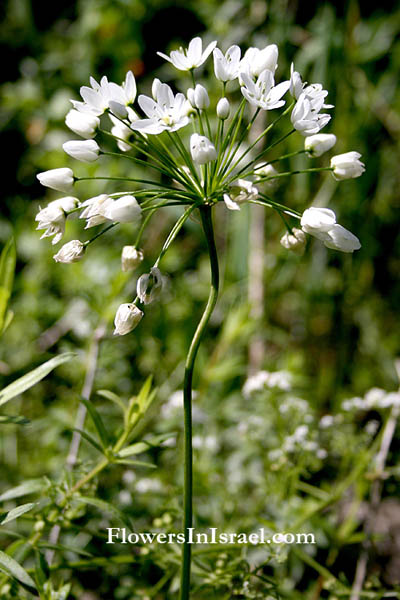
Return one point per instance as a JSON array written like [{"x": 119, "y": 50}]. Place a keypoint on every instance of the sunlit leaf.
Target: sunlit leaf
[{"x": 30, "y": 379}]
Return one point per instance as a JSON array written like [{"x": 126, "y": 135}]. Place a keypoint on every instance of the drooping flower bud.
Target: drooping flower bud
[
  {"x": 87, "y": 151},
  {"x": 223, "y": 109},
  {"x": 71, "y": 252},
  {"x": 128, "y": 316},
  {"x": 294, "y": 241},
  {"x": 131, "y": 257},
  {"x": 318, "y": 144},
  {"x": 61, "y": 180},
  {"x": 198, "y": 97},
  {"x": 341, "y": 239},
  {"x": 318, "y": 221},
  {"x": 149, "y": 285},
  {"x": 123, "y": 210},
  {"x": 347, "y": 166},
  {"x": 83, "y": 124},
  {"x": 202, "y": 150}
]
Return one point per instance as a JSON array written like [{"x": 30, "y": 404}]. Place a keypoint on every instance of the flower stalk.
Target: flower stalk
[{"x": 206, "y": 220}]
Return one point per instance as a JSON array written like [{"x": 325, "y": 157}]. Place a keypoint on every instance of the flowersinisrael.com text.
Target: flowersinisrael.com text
[{"x": 118, "y": 535}]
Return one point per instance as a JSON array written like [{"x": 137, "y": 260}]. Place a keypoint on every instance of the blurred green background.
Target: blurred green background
[{"x": 330, "y": 319}]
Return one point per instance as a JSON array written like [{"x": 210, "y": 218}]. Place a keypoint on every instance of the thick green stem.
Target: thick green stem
[{"x": 206, "y": 219}]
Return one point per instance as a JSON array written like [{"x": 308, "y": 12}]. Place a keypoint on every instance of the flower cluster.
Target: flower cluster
[{"x": 216, "y": 163}]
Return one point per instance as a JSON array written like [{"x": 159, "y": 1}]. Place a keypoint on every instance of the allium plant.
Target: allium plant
[{"x": 199, "y": 154}]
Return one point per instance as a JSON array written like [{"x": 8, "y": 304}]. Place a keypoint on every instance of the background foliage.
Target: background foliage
[{"x": 328, "y": 318}]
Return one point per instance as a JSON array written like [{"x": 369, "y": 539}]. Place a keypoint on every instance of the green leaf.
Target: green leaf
[
  {"x": 17, "y": 512},
  {"x": 98, "y": 423},
  {"x": 144, "y": 445},
  {"x": 90, "y": 439},
  {"x": 113, "y": 398},
  {"x": 42, "y": 572},
  {"x": 10, "y": 566},
  {"x": 30, "y": 379},
  {"x": 139, "y": 404},
  {"x": 105, "y": 507},
  {"x": 31, "y": 486},
  {"x": 17, "y": 420},
  {"x": 135, "y": 463},
  {"x": 7, "y": 268},
  {"x": 64, "y": 548}
]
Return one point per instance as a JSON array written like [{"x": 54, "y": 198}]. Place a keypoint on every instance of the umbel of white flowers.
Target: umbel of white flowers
[{"x": 218, "y": 162}]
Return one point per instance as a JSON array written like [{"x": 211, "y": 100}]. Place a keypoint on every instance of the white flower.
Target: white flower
[
  {"x": 118, "y": 109},
  {"x": 83, "y": 124},
  {"x": 223, "y": 109},
  {"x": 347, "y": 166},
  {"x": 318, "y": 221},
  {"x": 241, "y": 191},
  {"x": 296, "y": 84},
  {"x": 87, "y": 151},
  {"x": 166, "y": 112},
  {"x": 294, "y": 241},
  {"x": 71, "y": 252},
  {"x": 57, "y": 179},
  {"x": 226, "y": 67},
  {"x": 305, "y": 115},
  {"x": 264, "y": 93},
  {"x": 190, "y": 58},
  {"x": 94, "y": 209},
  {"x": 198, "y": 97},
  {"x": 201, "y": 149},
  {"x": 255, "y": 61},
  {"x": 53, "y": 217},
  {"x": 127, "y": 318},
  {"x": 97, "y": 98},
  {"x": 149, "y": 285},
  {"x": 318, "y": 144},
  {"x": 339, "y": 238},
  {"x": 263, "y": 379},
  {"x": 131, "y": 257},
  {"x": 123, "y": 210}
]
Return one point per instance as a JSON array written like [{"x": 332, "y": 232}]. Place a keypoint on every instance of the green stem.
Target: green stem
[{"x": 206, "y": 219}]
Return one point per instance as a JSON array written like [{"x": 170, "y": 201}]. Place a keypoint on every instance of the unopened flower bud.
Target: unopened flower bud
[
  {"x": 294, "y": 241},
  {"x": 202, "y": 150},
  {"x": 198, "y": 97},
  {"x": 131, "y": 257},
  {"x": 61, "y": 180},
  {"x": 83, "y": 124},
  {"x": 118, "y": 109},
  {"x": 149, "y": 285},
  {"x": 128, "y": 316},
  {"x": 347, "y": 166},
  {"x": 123, "y": 210},
  {"x": 71, "y": 252},
  {"x": 223, "y": 109},
  {"x": 318, "y": 144},
  {"x": 87, "y": 151}
]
